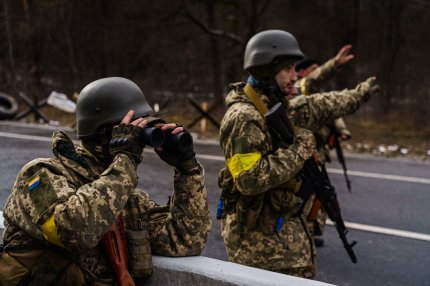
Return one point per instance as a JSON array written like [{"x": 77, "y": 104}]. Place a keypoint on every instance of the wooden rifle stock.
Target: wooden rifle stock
[
  {"x": 313, "y": 213},
  {"x": 115, "y": 246}
]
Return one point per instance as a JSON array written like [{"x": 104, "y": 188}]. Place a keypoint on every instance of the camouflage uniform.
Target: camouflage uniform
[
  {"x": 310, "y": 85},
  {"x": 71, "y": 201},
  {"x": 307, "y": 86},
  {"x": 259, "y": 183}
]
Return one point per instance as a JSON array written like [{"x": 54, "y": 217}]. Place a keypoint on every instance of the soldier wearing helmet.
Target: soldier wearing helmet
[
  {"x": 60, "y": 208},
  {"x": 311, "y": 77},
  {"x": 260, "y": 183}
]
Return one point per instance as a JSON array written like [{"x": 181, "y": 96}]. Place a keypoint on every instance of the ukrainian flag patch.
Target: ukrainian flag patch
[{"x": 33, "y": 183}]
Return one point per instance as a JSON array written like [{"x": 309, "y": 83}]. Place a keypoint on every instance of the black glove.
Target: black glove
[
  {"x": 125, "y": 139},
  {"x": 182, "y": 159}
]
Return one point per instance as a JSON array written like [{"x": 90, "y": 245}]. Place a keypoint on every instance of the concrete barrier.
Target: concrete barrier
[{"x": 199, "y": 270}]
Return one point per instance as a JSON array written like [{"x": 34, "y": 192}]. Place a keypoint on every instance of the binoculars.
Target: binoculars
[{"x": 156, "y": 137}]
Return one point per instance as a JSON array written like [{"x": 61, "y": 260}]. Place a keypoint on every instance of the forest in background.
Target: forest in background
[{"x": 175, "y": 49}]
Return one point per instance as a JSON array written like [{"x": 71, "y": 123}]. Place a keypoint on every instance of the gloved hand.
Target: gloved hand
[
  {"x": 368, "y": 89},
  {"x": 125, "y": 139},
  {"x": 181, "y": 160},
  {"x": 305, "y": 143}
]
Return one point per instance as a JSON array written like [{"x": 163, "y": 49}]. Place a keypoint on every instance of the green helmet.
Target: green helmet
[
  {"x": 107, "y": 101},
  {"x": 268, "y": 49}
]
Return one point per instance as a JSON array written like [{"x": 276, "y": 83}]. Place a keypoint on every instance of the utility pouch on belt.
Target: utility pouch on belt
[
  {"x": 281, "y": 204},
  {"x": 248, "y": 209},
  {"x": 139, "y": 245},
  {"x": 139, "y": 251}
]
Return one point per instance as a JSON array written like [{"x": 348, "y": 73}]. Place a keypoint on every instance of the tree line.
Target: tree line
[{"x": 196, "y": 46}]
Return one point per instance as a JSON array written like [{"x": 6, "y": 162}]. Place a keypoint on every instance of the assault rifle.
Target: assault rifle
[
  {"x": 315, "y": 176},
  {"x": 334, "y": 142}
]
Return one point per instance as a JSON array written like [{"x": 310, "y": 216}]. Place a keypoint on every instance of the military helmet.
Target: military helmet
[
  {"x": 107, "y": 101},
  {"x": 267, "y": 49}
]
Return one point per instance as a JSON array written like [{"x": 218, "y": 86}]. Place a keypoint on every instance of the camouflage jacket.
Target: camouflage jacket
[
  {"x": 312, "y": 83},
  {"x": 261, "y": 178},
  {"x": 71, "y": 201}
]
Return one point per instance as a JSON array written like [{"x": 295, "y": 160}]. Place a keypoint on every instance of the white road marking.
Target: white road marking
[
  {"x": 385, "y": 230},
  {"x": 221, "y": 158},
  {"x": 210, "y": 157},
  {"x": 381, "y": 176},
  {"x": 36, "y": 126},
  {"x": 351, "y": 173},
  {"x": 27, "y": 137},
  {"x": 350, "y": 225}
]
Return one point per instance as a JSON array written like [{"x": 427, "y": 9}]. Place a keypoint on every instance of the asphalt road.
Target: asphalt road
[{"x": 387, "y": 211}]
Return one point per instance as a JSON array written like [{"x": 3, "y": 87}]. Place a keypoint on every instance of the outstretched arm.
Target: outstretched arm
[
  {"x": 312, "y": 112},
  {"x": 311, "y": 83}
]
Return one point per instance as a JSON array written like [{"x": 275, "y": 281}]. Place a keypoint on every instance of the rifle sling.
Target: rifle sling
[{"x": 255, "y": 99}]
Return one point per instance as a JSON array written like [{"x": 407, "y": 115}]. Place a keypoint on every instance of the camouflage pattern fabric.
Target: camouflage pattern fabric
[
  {"x": 271, "y": 181},
  {"x": 84, "y": 197},
  {"x": 312, "y": 83},
  {"x": 314, "y": 111}
]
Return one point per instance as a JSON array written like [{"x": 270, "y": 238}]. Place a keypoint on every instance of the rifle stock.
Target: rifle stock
[
  {"x": 115, "y": 246},
  {"x": 315, "y": 175}
]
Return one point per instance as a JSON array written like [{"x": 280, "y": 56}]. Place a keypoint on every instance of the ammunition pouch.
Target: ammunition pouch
[
  {"x": 138, "y": 241},
  {"x": 280, "y": 203},
  {"x": 248, "y": 211},
  {"x": 263, "y": 211},
  {"x": 139, "y": 253}
]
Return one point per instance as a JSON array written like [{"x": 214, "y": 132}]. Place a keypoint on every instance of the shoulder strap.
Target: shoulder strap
[{"x": 255, "y": 99}]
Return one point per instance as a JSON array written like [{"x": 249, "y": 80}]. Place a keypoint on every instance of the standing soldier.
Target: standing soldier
[
  {"x": 262, "y": 223},
  {"x": 60, "y": 208},
  {"x": 311, "y": 76}
]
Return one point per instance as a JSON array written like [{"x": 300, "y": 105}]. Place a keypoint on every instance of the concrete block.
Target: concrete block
[{"x": 199, "y": 270}]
